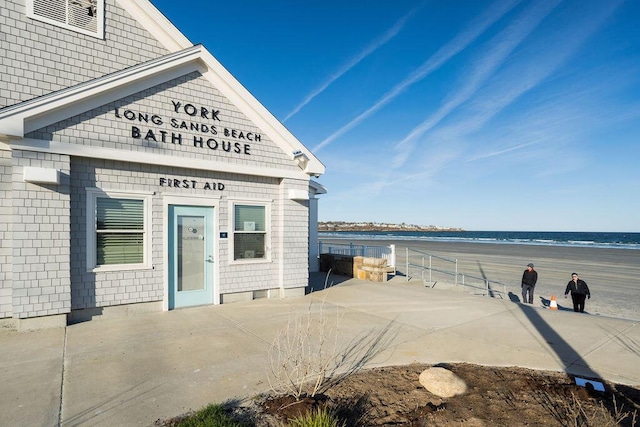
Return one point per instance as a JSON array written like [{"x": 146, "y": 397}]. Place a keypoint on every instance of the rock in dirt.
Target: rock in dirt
[{"x": 442, "y": 382}]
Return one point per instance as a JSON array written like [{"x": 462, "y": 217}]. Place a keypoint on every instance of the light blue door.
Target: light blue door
[{"x": 190, "y": 256}]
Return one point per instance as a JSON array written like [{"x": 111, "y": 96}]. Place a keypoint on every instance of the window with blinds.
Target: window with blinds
[
  {"x": 83, "y": 16},
  {"x": 119, "y": 231},
  {"x": 249, "y": 232}
]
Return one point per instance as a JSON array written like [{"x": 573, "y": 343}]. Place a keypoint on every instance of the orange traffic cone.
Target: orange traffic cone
[{"x": 553, "y": 305}]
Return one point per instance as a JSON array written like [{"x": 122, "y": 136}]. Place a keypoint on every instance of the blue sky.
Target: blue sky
[{"x": 484, "y": 115}]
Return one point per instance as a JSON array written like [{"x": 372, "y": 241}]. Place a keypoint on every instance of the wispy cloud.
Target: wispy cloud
[
  {"x": 534, "y": 137},
  {"x": 446, "y": 52},
  {"x": 485, "y": 66},
  {"x": 503, "y": 151},
  {"x": 375, "y": 45},
  {"x": 369, "y": 181},
  {"x": 524, "y": 76}
]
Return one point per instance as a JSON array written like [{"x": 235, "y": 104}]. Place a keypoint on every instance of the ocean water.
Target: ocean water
[{"x": 551, "y": 238}]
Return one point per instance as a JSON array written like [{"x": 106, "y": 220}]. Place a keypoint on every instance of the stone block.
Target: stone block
[
  {"x": 374, "y": 262},
  {"x": 372, "y": 269},
  {"x": 357, "y": 265}
]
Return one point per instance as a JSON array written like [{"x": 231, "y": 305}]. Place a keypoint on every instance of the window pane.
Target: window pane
[
  {"x": 52, "y": 9},
  {"x": 120, "y": 214},
  {"x": 119, "y": 223},
  {"x": 82, "y": 14},
  {"x": 191, "y": 253},
  {"x": 249, "y": 245},
  {"x": 119, "y": 248},
  {"x": 249, "y": 218}
]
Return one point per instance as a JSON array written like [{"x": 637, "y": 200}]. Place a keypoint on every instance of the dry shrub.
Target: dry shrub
[
  {"x": 305, "y": 358},
  {"x": 574, "y": 414},
  {"x": 305, "y": 351}
]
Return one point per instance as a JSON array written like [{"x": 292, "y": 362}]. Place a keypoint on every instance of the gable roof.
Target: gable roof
[
  {"x": 20, "y": 119},
  {"x": 173, "y": 40}
]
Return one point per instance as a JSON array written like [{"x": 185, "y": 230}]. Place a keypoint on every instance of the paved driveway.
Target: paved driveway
[{"x": 135, "y": 370}]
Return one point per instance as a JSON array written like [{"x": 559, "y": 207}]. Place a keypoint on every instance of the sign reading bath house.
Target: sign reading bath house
[{"x": 191, "y": 118}]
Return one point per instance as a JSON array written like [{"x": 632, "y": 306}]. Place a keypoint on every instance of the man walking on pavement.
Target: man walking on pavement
[
  {"x": 579, "y": 292},
  {"x": 529, "y": 279}
]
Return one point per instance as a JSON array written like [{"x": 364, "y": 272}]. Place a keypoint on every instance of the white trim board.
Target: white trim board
[{"x": 153, "y": 159}]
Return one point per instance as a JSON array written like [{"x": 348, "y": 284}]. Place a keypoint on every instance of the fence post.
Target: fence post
[
  {"x": 486, "y": 285},
  {"x": 430, "y": 271},
  {"x": 407, "y": 261},
  {"x": 392, "y": 258},
  {"x": 456, "y": 277}
]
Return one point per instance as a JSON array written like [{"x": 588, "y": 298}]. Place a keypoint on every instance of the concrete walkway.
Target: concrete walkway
[{"x": 135, "y": 370}]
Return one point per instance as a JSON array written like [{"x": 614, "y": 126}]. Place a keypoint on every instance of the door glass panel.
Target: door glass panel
[{"x": 191, "y": 253}]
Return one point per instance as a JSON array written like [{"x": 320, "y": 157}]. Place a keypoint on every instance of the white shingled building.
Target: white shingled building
[{"x": 136, "y": 173}]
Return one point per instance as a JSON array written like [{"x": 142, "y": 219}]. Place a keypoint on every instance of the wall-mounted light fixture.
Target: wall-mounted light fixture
[{"x": 300, "y": 158}]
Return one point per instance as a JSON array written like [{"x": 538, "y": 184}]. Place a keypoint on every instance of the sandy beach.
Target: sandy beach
[{"x": 611, "y": 274}]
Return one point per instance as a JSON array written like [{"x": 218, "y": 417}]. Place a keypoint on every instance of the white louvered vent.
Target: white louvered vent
[{"x": 83, "y": 16}]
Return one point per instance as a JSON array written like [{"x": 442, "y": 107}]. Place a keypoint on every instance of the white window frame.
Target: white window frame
[
  {"x": 98, "y": 33},
  {"x": 92, "y": 196},
  {"x": 267, "y": 232}
]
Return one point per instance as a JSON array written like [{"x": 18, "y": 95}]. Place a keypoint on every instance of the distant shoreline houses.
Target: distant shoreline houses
[{"x": 338, "y": 226}]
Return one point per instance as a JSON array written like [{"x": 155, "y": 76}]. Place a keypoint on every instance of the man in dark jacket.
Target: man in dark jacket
[
  {"x": 579, "y": 292},
  {"x": 529, "y": 279}
]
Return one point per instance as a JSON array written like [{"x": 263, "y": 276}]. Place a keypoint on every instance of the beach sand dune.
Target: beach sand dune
[{"x": 611, "y": 274}]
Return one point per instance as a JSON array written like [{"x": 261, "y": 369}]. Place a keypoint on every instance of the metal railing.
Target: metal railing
[
  {"x": 426, "y": 263},
  {"x": 386, "y": 252},
  {"x": 414, "y": 254},
  {"x": 417, "y": 263}
]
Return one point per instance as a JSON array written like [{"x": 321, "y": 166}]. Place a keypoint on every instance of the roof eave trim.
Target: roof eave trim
[
  {"x": 317, "y": 188},
  {"x": 20, "y": 119},
  {"x": 154, "y": 21}
]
